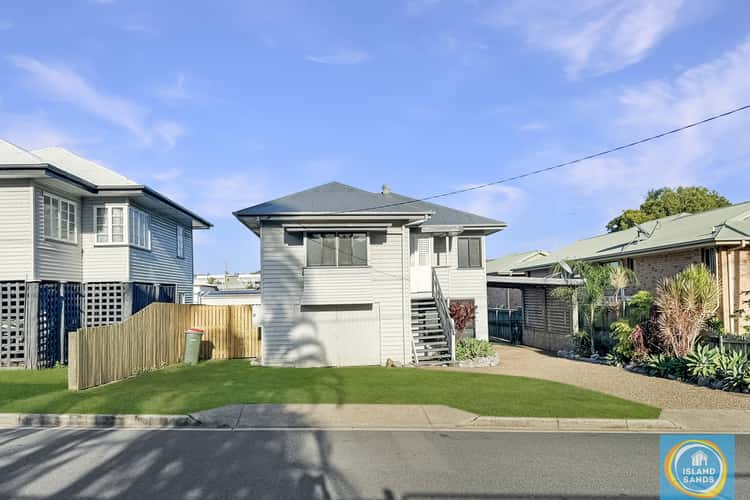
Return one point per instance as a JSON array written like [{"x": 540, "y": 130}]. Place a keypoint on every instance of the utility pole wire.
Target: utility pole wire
[{"x": 560, "y": 165}]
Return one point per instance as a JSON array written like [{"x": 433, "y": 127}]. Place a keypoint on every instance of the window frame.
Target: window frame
[
  {"x": 127, "y": 211},
  {"x": 709, "y": 254},
  {"x": 60, "y": 201},
  {"x": 468, "y": 249},
  {"x": 147, "y": 236},
  {"x": 180, "y": 242},
  {"x": 336, "y": 251}
]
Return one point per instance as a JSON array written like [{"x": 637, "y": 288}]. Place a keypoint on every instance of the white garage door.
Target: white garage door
[{"x": 339, "y": 336}]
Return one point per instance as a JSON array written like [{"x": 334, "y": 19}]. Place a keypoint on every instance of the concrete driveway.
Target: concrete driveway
[{"x": 663, "y": 393}]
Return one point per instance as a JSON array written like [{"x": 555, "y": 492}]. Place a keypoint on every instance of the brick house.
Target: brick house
[{"x": 658, "y": 249}]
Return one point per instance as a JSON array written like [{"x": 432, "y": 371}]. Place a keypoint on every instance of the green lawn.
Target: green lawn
[{"x": 182, "y": 389}]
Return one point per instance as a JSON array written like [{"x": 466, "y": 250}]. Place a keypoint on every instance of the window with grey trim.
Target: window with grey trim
[
  {"x": 336, "y": 249},
  {"x": 469, "y": 253}
]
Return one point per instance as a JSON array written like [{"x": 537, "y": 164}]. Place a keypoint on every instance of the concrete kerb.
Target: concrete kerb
[
  {"x": 422, "y": 417},
  {"x": 97, "y": 421}
]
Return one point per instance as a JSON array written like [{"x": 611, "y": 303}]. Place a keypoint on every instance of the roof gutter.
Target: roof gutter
[
  {"x": 636, "y": 253},
  {"x": 55, "y": 173},
  {"x": 155, "y": 194}
]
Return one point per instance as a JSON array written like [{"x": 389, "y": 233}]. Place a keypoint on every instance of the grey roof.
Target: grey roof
[
  {"x": 65, "y": 165},
  {"x": 337, "y": 198},
  {"x": 721, "y": 225},
  {"x": 82, "y": 167},
  {"x": 10, "y": 154}
]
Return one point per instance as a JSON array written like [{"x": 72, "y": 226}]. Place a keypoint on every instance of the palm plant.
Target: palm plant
[
  {"x": 620, "y": 278},
  {"x": 685, "y": 301},
  {"x": 596, "y": 281}
]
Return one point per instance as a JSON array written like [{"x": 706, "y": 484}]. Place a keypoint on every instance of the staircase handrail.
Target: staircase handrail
[{"x": 449, "y": 329}]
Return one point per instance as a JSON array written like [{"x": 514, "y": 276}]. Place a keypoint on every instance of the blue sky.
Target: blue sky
[{"x": 222, "y": 105}]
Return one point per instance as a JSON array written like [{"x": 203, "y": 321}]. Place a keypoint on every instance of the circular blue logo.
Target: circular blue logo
[{"x": 696, "y": 468}]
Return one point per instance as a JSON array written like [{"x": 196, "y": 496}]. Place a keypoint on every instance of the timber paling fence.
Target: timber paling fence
[{"x": 154, "y": 338}]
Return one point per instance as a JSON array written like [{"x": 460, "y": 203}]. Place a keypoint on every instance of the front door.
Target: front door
[{"x": 421, "y": 263}]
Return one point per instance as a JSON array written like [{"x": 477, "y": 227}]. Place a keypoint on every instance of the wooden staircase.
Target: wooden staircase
[{"x": 430, "y": 342}]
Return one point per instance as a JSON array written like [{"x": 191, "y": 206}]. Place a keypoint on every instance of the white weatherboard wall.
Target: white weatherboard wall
[
  {"x": 339, "y": 332},
  {"x": 16, "y": 219},
  {"x": 56, "y": 260},
  {"x": 466, "y": 284},
  {"x": 101, "y": 263},
  {"x": 161, "y": 264}
]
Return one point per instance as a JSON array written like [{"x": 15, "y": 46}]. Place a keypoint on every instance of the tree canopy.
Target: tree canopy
[{"x": 667, "y": 201}]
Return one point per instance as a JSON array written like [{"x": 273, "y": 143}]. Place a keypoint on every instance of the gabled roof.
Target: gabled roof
[
  {"x": 56, "y": 164},
  {"x": 336, "y": 198},
  {"x": 82, "y": 167},
  {"x": 721, "y": 225},
  {"x": 506, "y": 264},
  {"x": 10, "y": 154}
]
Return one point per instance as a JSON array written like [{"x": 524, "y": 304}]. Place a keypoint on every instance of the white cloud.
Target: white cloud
[
  {"x": 168, "y": 174},
  {"x": 698, "y": 155},
  {"x": 35, "y": 130},
  {"x": 220, "y": 195},
  {"x": 591, "y": 36},
  {"x": 344, "y": 56},
  {"x": 169, "y": 132},
  {"x": 63, "y": 84},
  {"x": 175, "y": 91},
  {"x": 533, "y": 126},
  {"x": 499, "y": 201}
]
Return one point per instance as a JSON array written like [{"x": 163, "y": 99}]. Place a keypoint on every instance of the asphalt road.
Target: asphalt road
[{"x": 203, "y": 464}]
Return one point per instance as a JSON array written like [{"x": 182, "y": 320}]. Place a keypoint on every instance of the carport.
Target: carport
[{"x": 548, "y": 322}]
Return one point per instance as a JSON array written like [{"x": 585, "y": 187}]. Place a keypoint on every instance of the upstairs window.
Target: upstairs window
[
  {"x": 180, "y": 242},
  {"x": 336, "y": 249},
  {"x": 140, "y": 229},
  {"x": 119, "y": 224},
  {"x": 469, "y": 253},
  {"x": 60, "y": 219}
]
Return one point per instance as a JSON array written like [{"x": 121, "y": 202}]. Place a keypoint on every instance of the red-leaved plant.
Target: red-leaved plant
[{"x": 462, "y": 314}]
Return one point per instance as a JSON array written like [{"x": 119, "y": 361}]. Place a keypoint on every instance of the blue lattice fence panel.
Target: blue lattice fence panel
[
  {"x": 167, "y": 293},
  {"x": 143, "y": 295},
  {"x": 49, "y": 316}
]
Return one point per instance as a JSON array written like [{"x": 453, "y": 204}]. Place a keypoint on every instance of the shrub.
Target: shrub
[
  {"x": 733, "y": 369},
  {"x": 638, "y": 341},
  {"x": 473, "y": 348},
  {"x": 582, "y": 343},
  {"x": 662, "y": 365},
  {"x": 462, "y": 314},
  {"x": 639, "y": 308},
  {"x": 702, "y": 361},
  {"x": 685, "y": 302},
  {"x": 623, "y": 349}
]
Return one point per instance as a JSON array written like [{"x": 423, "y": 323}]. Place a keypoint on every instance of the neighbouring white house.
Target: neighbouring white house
[
  {"x": 228, "y": 281},
  {"x": 82, "y": 246},
  {"x": 352, "y": 277}
]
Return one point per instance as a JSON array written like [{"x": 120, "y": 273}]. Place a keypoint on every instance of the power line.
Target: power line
[{"x": 559, "y": 165}]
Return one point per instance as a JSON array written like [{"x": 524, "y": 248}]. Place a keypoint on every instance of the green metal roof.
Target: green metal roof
[
  {"x": 506, "y": 264},
  {"x": 726, "y": 224}
]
